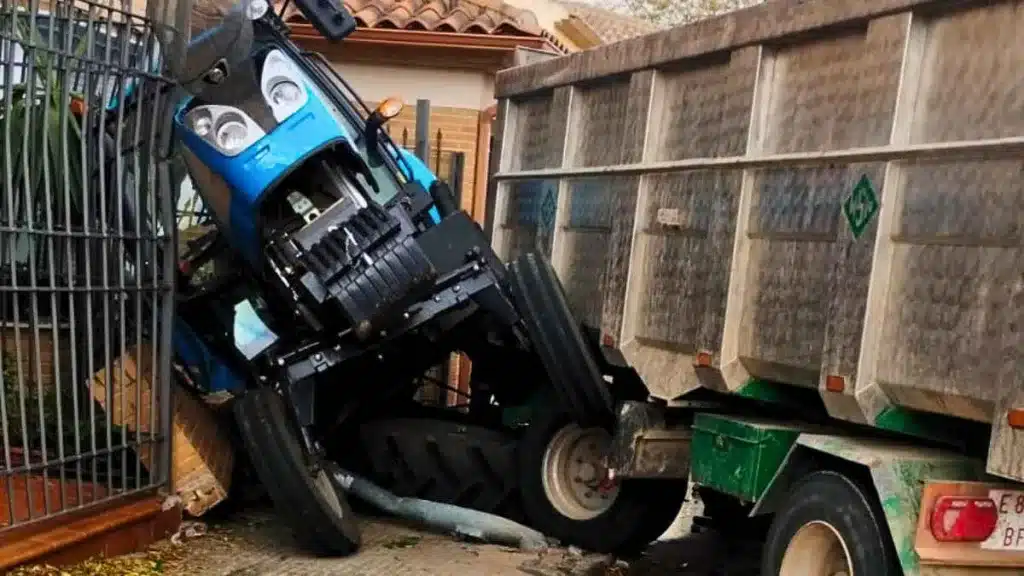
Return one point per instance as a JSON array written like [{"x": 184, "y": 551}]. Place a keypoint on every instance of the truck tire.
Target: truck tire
[
  {"x": 443, "y": 461},
  {"x": 565, "y": 495},
  {"x": 309, "y": 500},
  {"x": 830, "y": 524},
  {"x": 558, "y": 341}
]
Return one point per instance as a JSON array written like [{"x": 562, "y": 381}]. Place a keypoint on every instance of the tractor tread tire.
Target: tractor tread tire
[
  {"x": 272, "y": 443},
  {"x": 559, "y": 342},
  {"x": 443, "y": 461}
]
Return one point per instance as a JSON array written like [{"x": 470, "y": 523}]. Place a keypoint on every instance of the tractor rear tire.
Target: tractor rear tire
[
  {"x": 442, "y": 461},
  {"x": 308, "y": 498},
  {"x": 556, "y": 336}
]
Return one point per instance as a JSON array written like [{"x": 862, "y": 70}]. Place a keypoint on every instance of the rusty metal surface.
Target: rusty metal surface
[
  {"x": 597, "y": 238},
  {"x": 807, "y": 275},
  {"x": 957, "y": 324},
  {"x": 661, "y": 454},
  {"x": 764, "y": 24},
  {"x": 643, "y": 447}
]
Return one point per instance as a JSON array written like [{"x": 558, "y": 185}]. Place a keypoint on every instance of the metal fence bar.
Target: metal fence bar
[
  {"x": 455, "y": 179},
  {"x": 86, "y": 258},
  {"x": 55, "y": 336}
]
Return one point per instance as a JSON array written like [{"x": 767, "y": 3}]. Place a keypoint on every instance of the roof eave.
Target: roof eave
[
  {"x": 580, "y": 32},
  {"x": 386, "y": 36}
]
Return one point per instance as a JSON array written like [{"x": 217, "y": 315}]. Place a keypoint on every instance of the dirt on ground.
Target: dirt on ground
[{"x": 253, "y": 542}]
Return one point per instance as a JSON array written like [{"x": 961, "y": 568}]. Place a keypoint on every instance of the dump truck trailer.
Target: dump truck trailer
[{"x": 803, "y": 225}]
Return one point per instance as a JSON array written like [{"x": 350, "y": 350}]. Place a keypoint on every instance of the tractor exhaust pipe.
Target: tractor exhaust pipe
[{"x": 444, "y": 517}]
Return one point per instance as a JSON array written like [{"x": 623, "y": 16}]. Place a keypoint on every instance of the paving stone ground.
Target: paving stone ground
[
  {"x": 252, "y": 542},
  {"x": 255, "y": 543}
]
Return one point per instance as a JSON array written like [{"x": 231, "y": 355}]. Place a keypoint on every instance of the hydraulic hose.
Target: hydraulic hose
[{"x": 444, "y": 517}]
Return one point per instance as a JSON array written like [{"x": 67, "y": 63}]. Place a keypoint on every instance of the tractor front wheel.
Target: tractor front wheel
[{"x": 303, "y": 489}]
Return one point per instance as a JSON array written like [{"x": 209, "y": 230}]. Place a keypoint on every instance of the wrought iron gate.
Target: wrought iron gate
[{"x": 86, "y": 256}]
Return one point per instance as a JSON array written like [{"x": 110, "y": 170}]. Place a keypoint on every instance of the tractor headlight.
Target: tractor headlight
[
  {"x": 257, "y": 8},
  {"x": 283, "y": 84},
  {"x": 231, "y": 135},
  {"x": 226, "y": 128},
  {"x": 202, "y": 125},
  {"x": 285, "y": 93}
]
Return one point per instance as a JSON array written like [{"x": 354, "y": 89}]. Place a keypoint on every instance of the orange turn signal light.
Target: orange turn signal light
[
  {"x": 1015, "y": 418},
  {"x": 835, "y": 383}
]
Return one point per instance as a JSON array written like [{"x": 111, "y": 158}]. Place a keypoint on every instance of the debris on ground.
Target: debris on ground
[
  {"x": 402, "y": 543},
  {"x": 253, "y": 542},
  {"x": 187, "y": 531},
  {"x": 568, "y": 562},
  {"x": 152, "y": 563}
]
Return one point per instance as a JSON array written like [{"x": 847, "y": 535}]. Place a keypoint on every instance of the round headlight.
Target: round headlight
[
  {"x": 202, "y": 125},
  {"x": 257, "y": 8},
  {"x": 284, "y": 93},
  {"x": 231, "y": 135}
]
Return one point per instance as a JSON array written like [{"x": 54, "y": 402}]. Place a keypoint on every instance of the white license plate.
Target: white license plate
[{"x": 1009, "y": 532}]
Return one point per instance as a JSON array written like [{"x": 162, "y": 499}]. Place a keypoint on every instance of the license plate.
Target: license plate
[{"x": 1009, "y": 532}]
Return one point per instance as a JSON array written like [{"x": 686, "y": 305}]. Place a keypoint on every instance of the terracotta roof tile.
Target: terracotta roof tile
[
  {"x": 609, "y": 26},
  {"x": 458, "y": 16}
]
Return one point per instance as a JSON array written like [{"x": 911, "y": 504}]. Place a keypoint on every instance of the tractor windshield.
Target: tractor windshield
[{"x": 350, "y": 111}]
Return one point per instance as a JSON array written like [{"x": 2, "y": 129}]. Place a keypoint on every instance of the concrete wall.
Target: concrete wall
[{"x": 467, "y": 89}]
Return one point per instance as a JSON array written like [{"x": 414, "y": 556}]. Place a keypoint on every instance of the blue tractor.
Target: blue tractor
[{"x": 342, "y": 272}]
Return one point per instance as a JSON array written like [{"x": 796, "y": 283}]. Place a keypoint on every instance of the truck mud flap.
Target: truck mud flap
[{"x": 559, "y": 342}]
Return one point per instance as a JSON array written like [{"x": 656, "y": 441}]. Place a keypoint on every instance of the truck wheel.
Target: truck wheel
[
  {"x": 307, "y": 498},
  {"x": 558, "y": 341},
  {"x": 830, "y": 525},
  {"x": 566, "y": 493}
]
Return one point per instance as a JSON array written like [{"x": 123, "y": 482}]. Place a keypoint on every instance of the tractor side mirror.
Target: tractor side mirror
[{"x": 329, "y": 17}]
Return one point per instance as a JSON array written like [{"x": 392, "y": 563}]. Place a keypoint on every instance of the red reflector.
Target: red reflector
[
  {"x": 607, "y": 340},
  {"x": 960, "y": 519},
  {"x": 835, "y": 383}
]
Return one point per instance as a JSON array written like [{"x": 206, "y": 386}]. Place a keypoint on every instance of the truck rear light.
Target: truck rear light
[{"x": 963, "y": 519}]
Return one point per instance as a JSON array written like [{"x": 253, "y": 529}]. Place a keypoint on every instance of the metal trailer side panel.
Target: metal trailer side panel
[{"x": 826, "y": 195}]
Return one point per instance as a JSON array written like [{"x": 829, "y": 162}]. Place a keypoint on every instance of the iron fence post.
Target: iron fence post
[{"x": 423, "y": 130}]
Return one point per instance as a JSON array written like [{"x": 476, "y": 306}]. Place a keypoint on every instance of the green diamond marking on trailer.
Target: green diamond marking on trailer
[
  {"x": 548, "y": 206},
  {"x": 861, "y": 206}
]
